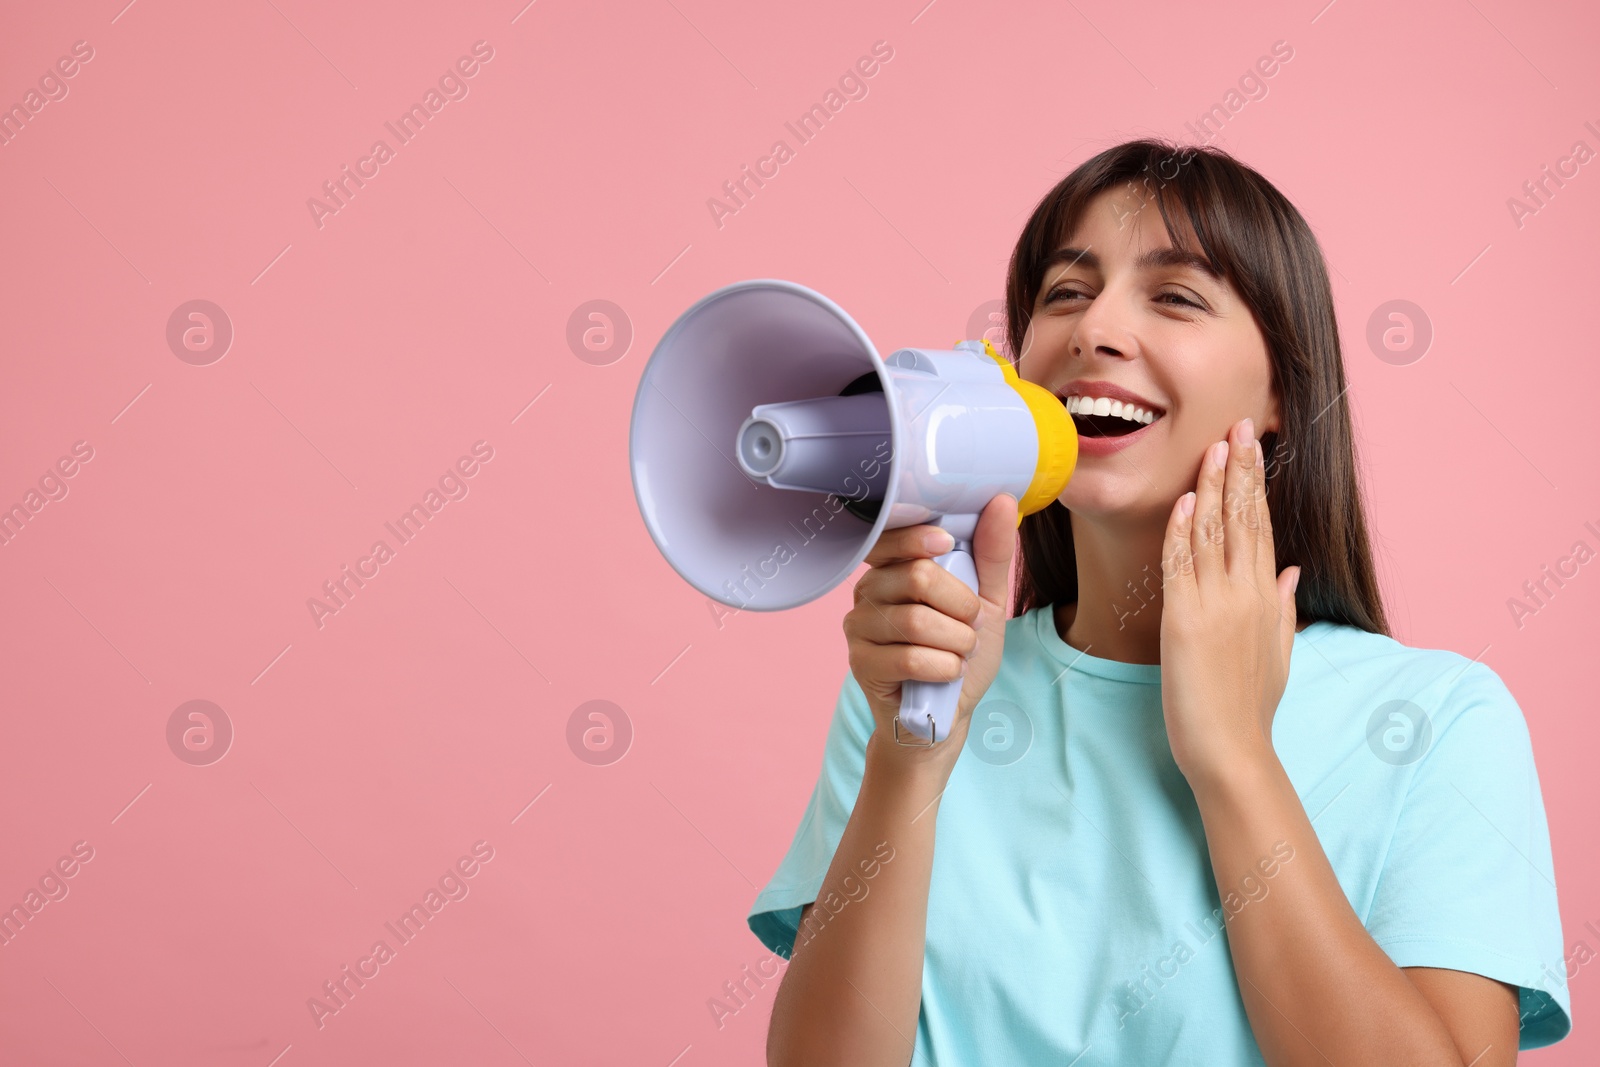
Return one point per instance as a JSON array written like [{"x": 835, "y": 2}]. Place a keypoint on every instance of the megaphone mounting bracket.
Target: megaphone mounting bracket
[{"x": 933, "y": 734}]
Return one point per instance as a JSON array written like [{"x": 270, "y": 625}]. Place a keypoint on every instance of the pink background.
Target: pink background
[{"x": 370, "y": 353}]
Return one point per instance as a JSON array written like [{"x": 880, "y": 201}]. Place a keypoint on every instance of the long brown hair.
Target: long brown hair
[{"x": 1265, "y": 249}]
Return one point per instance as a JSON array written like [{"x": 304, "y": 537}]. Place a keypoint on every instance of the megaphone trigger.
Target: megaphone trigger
[{"x": 928, "y": 709}]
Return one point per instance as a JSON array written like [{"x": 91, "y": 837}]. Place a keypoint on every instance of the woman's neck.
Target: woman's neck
[{"x": 1118, "y": 612}]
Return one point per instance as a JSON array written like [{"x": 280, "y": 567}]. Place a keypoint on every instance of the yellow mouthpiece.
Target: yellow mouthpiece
[{"x": 1058, "y": 439}]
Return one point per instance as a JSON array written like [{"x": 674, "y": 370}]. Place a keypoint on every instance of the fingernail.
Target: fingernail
[
  {"x": 1186, "y": 504},
  {"x": 1248, "y": 429},
  {"x": 940, "y": 541},
  {"x": 1219, "y": 453},
  {"x": 1294, "y": 583}
]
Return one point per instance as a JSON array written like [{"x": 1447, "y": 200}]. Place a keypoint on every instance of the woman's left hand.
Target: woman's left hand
[{"x": 1227, "y": 618}]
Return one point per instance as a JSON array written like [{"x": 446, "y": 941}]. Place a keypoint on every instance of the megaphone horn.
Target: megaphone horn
[{"x": 771, "y": 446}]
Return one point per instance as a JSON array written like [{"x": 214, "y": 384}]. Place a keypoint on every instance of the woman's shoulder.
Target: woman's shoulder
[
  {"x": 1382, "y": 652},
  {"x": 1447, "y": 686}
]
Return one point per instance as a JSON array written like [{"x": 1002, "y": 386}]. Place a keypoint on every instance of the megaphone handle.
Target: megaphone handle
[{"x": 922, "y": 703}]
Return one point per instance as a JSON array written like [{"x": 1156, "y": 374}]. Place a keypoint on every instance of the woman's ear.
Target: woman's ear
[{"x": 1271, "y": 424}]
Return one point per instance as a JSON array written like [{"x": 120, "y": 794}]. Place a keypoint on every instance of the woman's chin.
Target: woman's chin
[{"x": 1123, "y": 496}]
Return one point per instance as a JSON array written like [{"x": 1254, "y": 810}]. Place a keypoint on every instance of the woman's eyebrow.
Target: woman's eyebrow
[{"x": 1155, "y": 257}]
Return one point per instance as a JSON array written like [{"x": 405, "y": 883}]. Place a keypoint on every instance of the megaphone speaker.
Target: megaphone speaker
[{"x": 771, "y": 445}]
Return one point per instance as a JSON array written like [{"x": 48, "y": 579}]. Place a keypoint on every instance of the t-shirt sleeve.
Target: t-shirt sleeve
[
  {"x": 775, "y": 915},
  {"x": 1469, "y": 884}
]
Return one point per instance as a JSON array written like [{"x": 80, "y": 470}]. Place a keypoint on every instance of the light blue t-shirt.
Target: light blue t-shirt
[{"x": 1073, "y": 911}]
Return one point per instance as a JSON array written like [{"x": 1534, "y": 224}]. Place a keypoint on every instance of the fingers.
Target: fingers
[
  {"x": 915, "y": 624},
  {"x": 1206, "y": 525},
  {"x": 1288, "y": 612},
  {"x": 993, "y": 545},
  {"x": 1232, "y": 526},
  {"x": 902, "y": 663},
  {"x": 1177, "y": 553},
  {"x": 919, "y": 581},
  {"x": 1266, "y": 547},
  {"x": 1241, "y": 525},
  {"x": 909, "y": 542},
  {"x": 1222, "y": 532}
]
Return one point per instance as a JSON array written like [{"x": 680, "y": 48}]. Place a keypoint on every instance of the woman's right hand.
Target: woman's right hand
[{"x": 914, "y": 620}]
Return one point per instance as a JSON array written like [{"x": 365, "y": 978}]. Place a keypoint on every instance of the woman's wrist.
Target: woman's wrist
[{"x": 917, "y": 766}]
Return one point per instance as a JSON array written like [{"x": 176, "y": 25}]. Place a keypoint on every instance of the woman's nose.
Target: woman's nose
[{"x": 1103, "y": 328}]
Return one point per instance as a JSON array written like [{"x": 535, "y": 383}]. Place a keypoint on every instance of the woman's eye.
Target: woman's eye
[{"x": 1063, "y": 293}]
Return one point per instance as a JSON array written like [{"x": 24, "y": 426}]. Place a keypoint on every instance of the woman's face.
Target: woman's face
[{"x": 1119, "y": 323}]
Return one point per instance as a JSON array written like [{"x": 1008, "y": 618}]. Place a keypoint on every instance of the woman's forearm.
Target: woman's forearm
[
  {"x": 1315, "y": 985},
  {"x": 853, "y": 989}
]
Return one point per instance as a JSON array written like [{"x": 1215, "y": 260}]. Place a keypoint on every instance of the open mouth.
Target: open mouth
[{"x": 1099, "y": 417}]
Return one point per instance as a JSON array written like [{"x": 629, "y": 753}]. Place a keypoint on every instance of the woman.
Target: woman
[{"x": 1207, "y": 810}]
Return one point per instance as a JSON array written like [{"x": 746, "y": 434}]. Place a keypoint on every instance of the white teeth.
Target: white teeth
[{"x": 1087, "y": 405}]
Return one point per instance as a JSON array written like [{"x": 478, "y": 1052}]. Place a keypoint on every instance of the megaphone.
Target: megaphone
[{"x": 771, "y": 445}]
